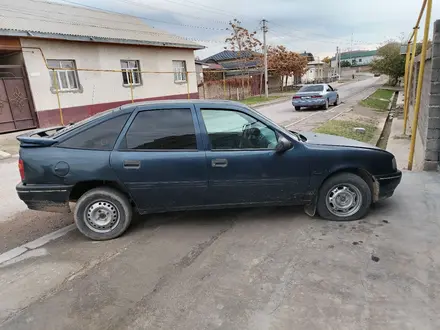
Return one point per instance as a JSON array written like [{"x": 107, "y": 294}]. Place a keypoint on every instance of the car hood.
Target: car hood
[{"x": 333, "y": 140}]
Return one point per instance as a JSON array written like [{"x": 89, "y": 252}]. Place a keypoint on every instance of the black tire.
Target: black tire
[
  {"x": 297, "y": 108},
  {"x": 112, "y": 201},
  {"x": 342, "y": 179},
  {"x": 337, "y": 100}
]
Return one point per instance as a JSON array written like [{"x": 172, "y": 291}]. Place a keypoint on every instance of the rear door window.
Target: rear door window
[
  {"x": 99, "y": 137},
  {"x": 168, "y": 129}
]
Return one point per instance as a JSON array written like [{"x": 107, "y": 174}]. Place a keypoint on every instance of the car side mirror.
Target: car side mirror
[{"x": 283, "y": 145}]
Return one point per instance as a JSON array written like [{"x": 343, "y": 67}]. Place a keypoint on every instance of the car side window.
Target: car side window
[
  {"x": 234, "y": 130},
  {"x": 168, "y": 129},
  {"x": 98, "y": 137}
]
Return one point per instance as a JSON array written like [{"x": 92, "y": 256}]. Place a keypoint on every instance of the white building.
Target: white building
[
  {"x": 356, "y": 58},
  {"x": 88, "y": 45}
]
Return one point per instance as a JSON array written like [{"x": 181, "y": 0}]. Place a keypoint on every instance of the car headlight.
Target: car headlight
[{"x": 394, "y": 164}]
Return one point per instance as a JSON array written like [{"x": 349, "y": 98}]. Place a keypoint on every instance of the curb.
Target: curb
[
  {"x": 381, "y": 126},
  {"x": 4, "y": 155}
]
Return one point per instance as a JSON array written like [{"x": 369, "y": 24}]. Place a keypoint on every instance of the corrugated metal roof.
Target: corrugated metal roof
[
  {"x": 240, "y": 65},
  {"x": 40, "y": 19},
  {"x": 231, "y": 55},
  {"x": 358, "y": 53}
]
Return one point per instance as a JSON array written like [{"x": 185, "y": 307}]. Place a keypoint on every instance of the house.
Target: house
[
  {"x": 317, "y": 72},
  {"x": 310, "y": 56},
  {"x": 236, "y": 63},
  {"x": 102, "y": 60},
  {"x": 356, "y": 58}
]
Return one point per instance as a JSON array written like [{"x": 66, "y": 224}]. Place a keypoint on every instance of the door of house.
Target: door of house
[{"x": 16, "y": 108}]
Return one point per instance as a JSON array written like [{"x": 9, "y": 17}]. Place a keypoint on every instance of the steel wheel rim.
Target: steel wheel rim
[
  {"x": 343, "y": 200},
  {"x": 101, "y": 216}
]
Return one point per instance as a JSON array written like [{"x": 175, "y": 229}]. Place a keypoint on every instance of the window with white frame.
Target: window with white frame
[
  {"x": 179, "y": 68},
  {"x": 131, "y": 72},
  {"x": 64, "y": 77}
]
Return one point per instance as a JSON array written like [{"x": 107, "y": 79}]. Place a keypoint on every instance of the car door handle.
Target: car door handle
[
  {"x": 132, "y": 164},
  {"x": 219, "y": 162}
]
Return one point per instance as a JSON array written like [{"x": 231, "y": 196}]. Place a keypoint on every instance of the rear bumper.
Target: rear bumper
[
  {"x": 308, "y": 102},
  {"x": 41, "y": 197},
  {"x": 388, "y": 183}
]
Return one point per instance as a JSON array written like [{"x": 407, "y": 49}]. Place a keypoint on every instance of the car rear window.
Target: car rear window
[
  {"x": 80, "y": 123},
  {"x": 98, "y": 137},
  {"x": 313, "y": 88}
]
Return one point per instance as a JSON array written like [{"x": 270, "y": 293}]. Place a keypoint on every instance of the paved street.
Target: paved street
[
  {"x": 240, "y": 269},
  {"x": 272, "y": 268},
  {"x": 350, "y": 93}
]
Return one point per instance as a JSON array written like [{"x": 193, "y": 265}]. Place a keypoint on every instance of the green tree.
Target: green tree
[
  {"x": 419, "y": 47},
  {"x": 390, "y": 62},
  {"x": 345, "y": 64}
]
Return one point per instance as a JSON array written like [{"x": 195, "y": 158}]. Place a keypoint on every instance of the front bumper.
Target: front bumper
[
  {"x": 45, "y": 197},
  {"x": 388, "y": 183},
  {"x": 308, "y": 102}
]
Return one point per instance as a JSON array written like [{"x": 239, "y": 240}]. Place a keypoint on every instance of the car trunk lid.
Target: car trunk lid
[{"x": 307, "y": 95}]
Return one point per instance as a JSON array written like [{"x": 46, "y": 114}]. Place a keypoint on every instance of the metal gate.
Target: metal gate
[{"x": 16, "y": 108}]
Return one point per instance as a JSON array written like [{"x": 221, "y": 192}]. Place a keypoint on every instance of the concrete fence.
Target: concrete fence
[{"x": 427, "y": 152}]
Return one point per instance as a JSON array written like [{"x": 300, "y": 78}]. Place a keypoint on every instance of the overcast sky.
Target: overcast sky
[{"x": 318, "y": 26}]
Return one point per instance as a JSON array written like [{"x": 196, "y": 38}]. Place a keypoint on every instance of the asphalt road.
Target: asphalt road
[
  {"x": 254, "y": 269},
  {"x": 349, "y": 93}
]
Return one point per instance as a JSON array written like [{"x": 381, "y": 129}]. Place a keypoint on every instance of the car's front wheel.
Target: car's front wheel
[
  {"x": 344, "y": 197},
  {"x": 102, "y": 213}
]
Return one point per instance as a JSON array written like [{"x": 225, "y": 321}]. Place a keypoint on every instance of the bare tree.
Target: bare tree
[{"x": 246, "y": 44}]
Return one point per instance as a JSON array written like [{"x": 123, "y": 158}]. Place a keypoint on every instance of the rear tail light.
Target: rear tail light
[
  {"x": 21, "y": 169},
  {"x": 296, "y": 97},
  {"x": 316, "y": 96}
]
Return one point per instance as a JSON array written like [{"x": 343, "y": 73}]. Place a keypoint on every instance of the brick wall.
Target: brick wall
[{"x": 429, "y": 115}]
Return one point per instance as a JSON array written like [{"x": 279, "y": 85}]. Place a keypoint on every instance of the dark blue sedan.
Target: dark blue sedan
[{"x": 190, "y": 155}]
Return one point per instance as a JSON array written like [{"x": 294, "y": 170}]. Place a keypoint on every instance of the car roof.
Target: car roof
[
  {"x": 132, "y": 106},
  {"x": 314, "y": 85}
]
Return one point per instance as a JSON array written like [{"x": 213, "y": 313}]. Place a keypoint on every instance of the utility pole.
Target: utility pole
[
  {"x": 351, "y": 48},
  {"x": 266, "y": 78},
  {"x": 337, "y": 61}
]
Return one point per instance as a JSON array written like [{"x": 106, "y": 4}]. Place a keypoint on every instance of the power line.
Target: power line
[
  {"x": 197, "y": 5},
  {"x": 140, "y": 17},
  {"x": 135, "y": 3},
  {"x": 326, "y": 40}
]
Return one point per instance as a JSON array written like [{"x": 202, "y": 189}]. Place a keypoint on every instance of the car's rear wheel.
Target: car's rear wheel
[
  {"x": 344, "y": 197},
  {"x": 297, "y": 108},
  {"x": 102, "y": 214}
]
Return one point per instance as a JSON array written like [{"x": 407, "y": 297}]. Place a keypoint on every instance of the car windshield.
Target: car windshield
[
  {"x": 71, "y": 126},
  {"x": 292, "y": 134},
  {"x": 312, "y": 88}
]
